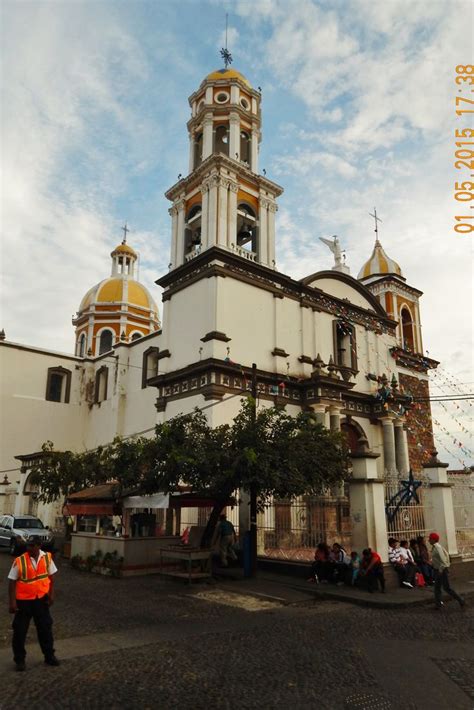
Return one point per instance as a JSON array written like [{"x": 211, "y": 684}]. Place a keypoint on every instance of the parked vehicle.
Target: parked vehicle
[{"x": 16, "y": 529}]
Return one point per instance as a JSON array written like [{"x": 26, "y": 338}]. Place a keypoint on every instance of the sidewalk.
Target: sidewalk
[{"x": 293, "y": 590}]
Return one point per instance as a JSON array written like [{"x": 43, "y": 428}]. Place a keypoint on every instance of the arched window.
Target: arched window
[
  {"x": 58, "y": 384},
  {"x": 246, "y": 227},
  {"x": 353, "y": 433},
  {"x": 192, "y": 231},
  {"x": 345, "y": 349},
  {"x": 101, "y": 381},
  {"x": 198, "y": 150},
  {"x": 105, "y": 342},
  {"x": 245, "y": 147},
  {"x": 150, "y": 365},
  {"x": 408, "y": 341},
  {"x": 221, "y": 140},
  {"x": 136, "y": 336},
  {"x": 81, "y": 349}
]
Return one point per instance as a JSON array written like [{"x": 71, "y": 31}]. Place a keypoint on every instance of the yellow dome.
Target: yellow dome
[
  {"x": 124, "y": 248},
  {"x": 379, "y": 264},
  {"x": 227, "y": 74},
  {"x": 114, "y": 290}
]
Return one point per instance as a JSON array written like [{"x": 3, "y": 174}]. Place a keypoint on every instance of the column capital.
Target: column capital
[
  {"x": 179, "y": 204},
  {"x": 336, "y": 409},
  {"x": 387, "y": 420},
  {"x": 273, "y": 207},
  {"x": 264, "y": 202},
  {"x": 173, "y": 211},
  {"x": 399, "y": 421},
  {"x": 233, "y": 186}
]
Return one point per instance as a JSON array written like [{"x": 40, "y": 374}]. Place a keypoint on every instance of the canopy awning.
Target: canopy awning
[
  {"x": 157, "y": 500},
  {"x": 89, "y": 509}
]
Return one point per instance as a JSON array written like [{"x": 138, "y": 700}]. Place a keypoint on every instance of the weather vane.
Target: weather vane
[
  {"x": 225, "y": 54},
  {"x": 377, "y": 219}
]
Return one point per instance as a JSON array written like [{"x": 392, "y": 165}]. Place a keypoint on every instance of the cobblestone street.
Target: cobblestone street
[{"x": 151, "y": 643}]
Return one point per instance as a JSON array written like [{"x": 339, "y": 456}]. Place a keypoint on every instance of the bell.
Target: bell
[{"x": 244, "y": 236}]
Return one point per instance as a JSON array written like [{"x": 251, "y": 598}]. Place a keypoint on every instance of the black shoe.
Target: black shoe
[
  {"x": 53, "y": 661},
  {"x": 20, "y": 666}
]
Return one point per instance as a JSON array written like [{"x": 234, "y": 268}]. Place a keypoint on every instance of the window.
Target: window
[
  {"x": 105, "y": 341},
  {"x": 245, "y": 104},
  {"x": 58, "y": 385},
  {"x": 192, "y": 230},
  {"x": 101, "y": 380},
  {"x": 82, "y": 345},
  {"x": 136, "y": 336},
  {"x": 87, "y": 523},
  {"x": 246, "y": 228},
  {"x": 221, "y": 141},
  {"x": 198, "y": 150},
  {"x": 407, "y": 329},
  {"x": 244, "y": 147},
  {"x": 345, "y": 349},
  {"x": 150, "y": 365},
  {"x": 222, "y": 97}
]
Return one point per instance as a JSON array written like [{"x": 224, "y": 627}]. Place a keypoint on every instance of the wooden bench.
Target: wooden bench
[{"x": 188, "y": 562}]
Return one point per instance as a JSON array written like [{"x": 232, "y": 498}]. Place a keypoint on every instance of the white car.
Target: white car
[{"x": 16, "y": 529}]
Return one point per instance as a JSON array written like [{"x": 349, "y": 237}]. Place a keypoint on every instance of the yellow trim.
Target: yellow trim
[{"x": 221, "y": 74}]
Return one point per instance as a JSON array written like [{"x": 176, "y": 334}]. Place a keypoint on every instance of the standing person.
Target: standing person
[
  {"x": 371, "y": 567},
  {"x": 441, "y": 563},
  {"x": 31, "y": 593},
  {"x": 225, "y": 533},
  {"x": 423, "y": 562}
]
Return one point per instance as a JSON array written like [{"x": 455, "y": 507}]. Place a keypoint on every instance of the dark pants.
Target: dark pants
[
  {"x": 442, "y": 581},
  {"x": 322, "y": 570},
  {"x": 406, "y": 573},
  {"x": 38, "y": 610},
  {"x": 374, "y": 577}
]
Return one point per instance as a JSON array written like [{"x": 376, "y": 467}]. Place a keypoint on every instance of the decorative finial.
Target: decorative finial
[
  {"x": 125, "y": 229},
  {"x": 2, "y": 334},
  {"x": 376, "y": 230},
  {"x": 225, "y": 54}
]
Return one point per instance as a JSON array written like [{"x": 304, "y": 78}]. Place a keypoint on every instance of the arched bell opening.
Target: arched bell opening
[
  {"x": 247, "y": 227},
  {"x": 192, "y": 229},
  {"x": 245, "y": 147},
  {"x": 198, "y": 150},
  {"x": 408, "y": 340},
  {"x": 221, "y": 139}
]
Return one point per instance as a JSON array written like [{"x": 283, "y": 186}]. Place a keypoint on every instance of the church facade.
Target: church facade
[{"x": 347, "y": 348}]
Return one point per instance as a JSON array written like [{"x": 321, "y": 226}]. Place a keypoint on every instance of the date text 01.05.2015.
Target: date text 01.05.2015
[{"x": 464, "y": 149}]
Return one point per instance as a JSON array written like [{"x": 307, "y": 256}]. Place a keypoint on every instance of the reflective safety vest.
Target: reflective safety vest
[{"x": 31, "y": 582}]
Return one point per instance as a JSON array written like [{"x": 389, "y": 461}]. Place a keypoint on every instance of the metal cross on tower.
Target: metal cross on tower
[
  {"x": 125, "y": 229},
  {"x": 377, "y": 219},
  {"x": 225, "y": 54}
]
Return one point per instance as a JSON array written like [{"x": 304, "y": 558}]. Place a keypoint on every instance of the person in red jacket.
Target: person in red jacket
[
  {"x": 31, "y": 593},
  {"x": 371, "y": 568}
]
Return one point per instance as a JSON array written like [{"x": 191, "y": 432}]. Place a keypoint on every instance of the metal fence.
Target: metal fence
[
  {"x": 406, "y": 521},
  {"x": 463, "y": 504},
  {"x": 290, "y": 530}
]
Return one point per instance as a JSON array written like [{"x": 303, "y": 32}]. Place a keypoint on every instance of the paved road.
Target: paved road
[{"x": 149, "y": 643}]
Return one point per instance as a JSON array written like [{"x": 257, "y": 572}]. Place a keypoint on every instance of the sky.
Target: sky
[{"x": 358, "y": 103}]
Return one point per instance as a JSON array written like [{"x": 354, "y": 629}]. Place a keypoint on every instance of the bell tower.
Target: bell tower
[{"x": 223, "y": 201}]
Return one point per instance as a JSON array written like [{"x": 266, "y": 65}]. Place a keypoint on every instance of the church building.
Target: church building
[{"x": 347, "y": 348}]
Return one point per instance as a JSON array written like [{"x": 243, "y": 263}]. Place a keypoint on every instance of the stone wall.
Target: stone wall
[{"x": 419, "y": 424}]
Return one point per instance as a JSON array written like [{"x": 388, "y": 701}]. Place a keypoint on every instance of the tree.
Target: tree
[{"x": 276, "y": 454}]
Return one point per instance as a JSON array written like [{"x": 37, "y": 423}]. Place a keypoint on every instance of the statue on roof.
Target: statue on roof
[{"x": 339, "y": 257}]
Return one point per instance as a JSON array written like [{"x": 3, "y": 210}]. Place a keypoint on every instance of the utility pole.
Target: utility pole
[{"x": 253, "y": 491}]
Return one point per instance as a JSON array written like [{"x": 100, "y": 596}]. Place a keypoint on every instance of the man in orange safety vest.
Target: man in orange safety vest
[{"x": 31, "y": 593}]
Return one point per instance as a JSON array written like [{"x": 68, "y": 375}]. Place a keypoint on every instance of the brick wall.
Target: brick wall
[{"x": 420, "y": 426}]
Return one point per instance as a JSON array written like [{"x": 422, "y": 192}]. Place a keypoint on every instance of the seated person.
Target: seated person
[
  {"x": 354, "y": 567},
  {"x": 399, "y": 560},
  {"x": 322, "y": 567},
  {"x": 422, "y": 559},
  {"x": 371, "y": 569},
  {"x": 341, "y": 564}
]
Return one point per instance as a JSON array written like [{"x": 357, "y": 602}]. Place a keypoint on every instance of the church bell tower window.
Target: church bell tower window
[
  {"x": 105, "y": 341},
  {"x": 192, "y": 232},
  {"x": 221, "y": 141},
  {"x": 345, "y": 350},
  {"x": 198, "y": 150},
  {"x": 245, "y": 147},
  {"x": 246, "y": 228},
  {"x": 407, "y": 330}
]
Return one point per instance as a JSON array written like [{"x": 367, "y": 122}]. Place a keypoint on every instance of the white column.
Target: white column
[
  {"x": 234, "y": 94},
  {"x": 173, "y": 212},
  {"x": 234, "y": 136},
  {"x": 207, "y": 136},
  {"x": 191, "y": 152},
  {"x": 367, "y": 505},
  {"x": 271, "y": 235},
  {"x": 222, "y": 212},
  {"x": 209, "y": 95},
  {"x": 321, "y": 416},
  {"x": 335, "y": 417},
  {"x": 438, "y": 507},
  {"x": 262, "y": 244},
  {"x": 212, "y": 221},
  {"x": 232, "y": 214},
  {"x": 180, "y": 233},
  {"x": 204, "y": 214},
  {"x": 390, "y": 463},
  {"x": 401, "y": 447},
  {"x": 254, "y": 151}
]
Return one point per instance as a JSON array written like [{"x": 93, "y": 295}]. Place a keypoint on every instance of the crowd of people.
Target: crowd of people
[{"x": 411, "y": 560}]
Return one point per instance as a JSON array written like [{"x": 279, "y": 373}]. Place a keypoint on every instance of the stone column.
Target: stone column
[
  {"x": 367, "y": 504},
  {"x": 262, "y": 242},
  {"x": 180, "y": 205},
  {"x": 390, "y": 463},
  {"x": 272, "y": 208},
  {"x": 232, "y": 214},
  {"x": 438, "y": 507},
  {"x": 207, "y": 136},
  {"x": 234, "y": 136},
  {"x": 254, "y": 150},
  {"x": 335, "y": 417},
  {"x": 173, "y": 212},
  {"x": 223, "y": 186},
  {"x": 212, "y": 219},
  {"x": 321, "y": 416},
  {"x": 401, "y": 447},
  {"x": 191, "y": 152},
  {"x": 204, "y": 215}
]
